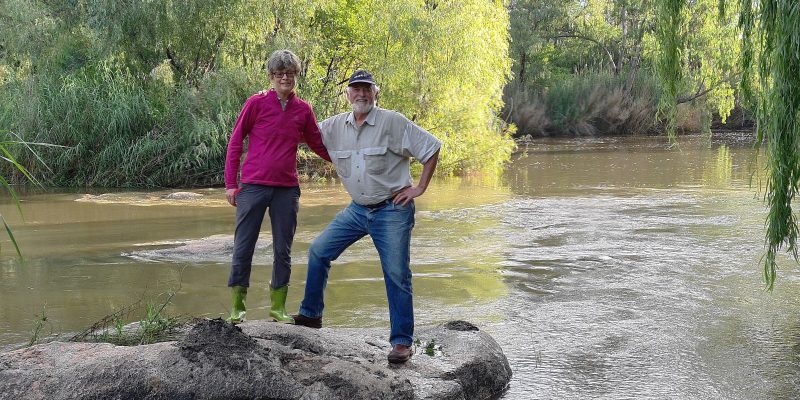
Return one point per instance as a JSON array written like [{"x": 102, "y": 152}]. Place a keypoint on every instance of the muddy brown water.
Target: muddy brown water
[{"x": 606, "y": 268}]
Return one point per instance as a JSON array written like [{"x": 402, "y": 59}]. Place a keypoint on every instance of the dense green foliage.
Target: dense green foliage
[
  {"x": 565, "y": 52},
  {"x": 770, "y": 39},
  {"x": 146, "y": 93}
]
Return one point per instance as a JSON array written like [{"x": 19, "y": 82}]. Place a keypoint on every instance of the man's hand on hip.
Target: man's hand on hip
[{"x": 407, "y": 194}]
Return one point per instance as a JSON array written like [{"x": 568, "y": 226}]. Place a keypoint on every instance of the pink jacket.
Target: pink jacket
[{"x": 273, "y": 135}]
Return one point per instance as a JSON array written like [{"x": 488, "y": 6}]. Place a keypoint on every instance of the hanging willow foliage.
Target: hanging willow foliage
[
  {"x": 669, "y": 33},
  {"x": 771, "y": 38},
  {"x": 778, "y": 109}
]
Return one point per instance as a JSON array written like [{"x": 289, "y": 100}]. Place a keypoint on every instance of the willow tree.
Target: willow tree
[
  {"x": 770, "y": 58},
  {"x": 442, "y": 63}
]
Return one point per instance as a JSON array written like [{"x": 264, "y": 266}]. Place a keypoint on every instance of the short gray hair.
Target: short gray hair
[{"x": 281, "y": 60}]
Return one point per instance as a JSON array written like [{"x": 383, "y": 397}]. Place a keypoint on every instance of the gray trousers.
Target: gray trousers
[{"x": 252, "y": 203}]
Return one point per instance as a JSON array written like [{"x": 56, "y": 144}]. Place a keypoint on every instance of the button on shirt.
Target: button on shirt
[{"x": 373, "y": 160}]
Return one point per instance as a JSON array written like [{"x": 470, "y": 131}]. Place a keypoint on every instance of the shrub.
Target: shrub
[{"x": 588, "y": 105}]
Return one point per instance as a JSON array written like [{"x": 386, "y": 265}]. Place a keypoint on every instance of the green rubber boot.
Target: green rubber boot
[
  {"x": 278, "y": 308},
  {"x": 238, "y": 294}
]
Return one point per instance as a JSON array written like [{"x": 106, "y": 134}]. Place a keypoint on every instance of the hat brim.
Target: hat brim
[{"x": 361, "y": 81}]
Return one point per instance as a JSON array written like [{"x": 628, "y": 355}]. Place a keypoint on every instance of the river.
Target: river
[{"x": 614, "y": 268}]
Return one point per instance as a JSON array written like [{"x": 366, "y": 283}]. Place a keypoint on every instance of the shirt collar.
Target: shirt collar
[
  {"x": 273, "y": 93},
  {"x": 351, "y": 118}
]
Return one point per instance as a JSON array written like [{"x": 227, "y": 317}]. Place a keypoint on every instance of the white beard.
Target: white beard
[{"x": 362, "y": 109}]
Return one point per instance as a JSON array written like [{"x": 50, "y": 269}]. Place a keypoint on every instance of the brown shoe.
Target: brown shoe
[
  {"x": 400, "y": 354},
  {"x": 302, "y": 320}
]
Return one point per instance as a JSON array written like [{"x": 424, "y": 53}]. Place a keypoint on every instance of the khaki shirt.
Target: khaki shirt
[{"x": 373, "y": 161}]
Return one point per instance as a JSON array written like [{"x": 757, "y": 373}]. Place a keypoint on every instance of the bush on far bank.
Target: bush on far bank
[{"x": 602, "y": 104}]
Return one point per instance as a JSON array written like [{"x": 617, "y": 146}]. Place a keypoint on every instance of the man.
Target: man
[
  {"x": 371, "y": 148},
  {"x": 273, "y": 124}
]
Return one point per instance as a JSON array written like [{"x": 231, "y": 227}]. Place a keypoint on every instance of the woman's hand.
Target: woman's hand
[{"x": 230, "y": 194}]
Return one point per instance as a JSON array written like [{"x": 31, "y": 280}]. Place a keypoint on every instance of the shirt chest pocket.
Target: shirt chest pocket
[
  {"x": 375, "y": 160},
  {"x": 342, "y": 160}
]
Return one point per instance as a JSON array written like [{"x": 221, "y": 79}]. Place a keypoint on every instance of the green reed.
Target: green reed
[
  {"x": 121, "y": 131},
  {"x": 155, "y": 326},
  {"x": 591, "y": 104}
]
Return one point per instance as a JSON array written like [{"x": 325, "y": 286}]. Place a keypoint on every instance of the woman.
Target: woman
[{"x": 274, "y": 124}]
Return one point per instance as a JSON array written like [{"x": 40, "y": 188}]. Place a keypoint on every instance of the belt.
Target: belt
[{"x": 379, "y": 204}]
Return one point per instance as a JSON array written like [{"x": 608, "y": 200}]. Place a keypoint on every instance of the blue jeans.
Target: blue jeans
[{"x": 390, "y": 226}]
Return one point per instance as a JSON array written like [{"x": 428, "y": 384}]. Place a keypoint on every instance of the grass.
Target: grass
[
  {"x": 41, "y": 321},
  {"x": 155, "y": 326},
  {"x": 13, "y": 165},
  {"x": 591, "y": 104},
  {"x": 430, "y": 348},
  {"x": 116, "y": 130}
]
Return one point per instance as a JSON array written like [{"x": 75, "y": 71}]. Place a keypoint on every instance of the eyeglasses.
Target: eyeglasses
[{"x": 288, "y": 74}]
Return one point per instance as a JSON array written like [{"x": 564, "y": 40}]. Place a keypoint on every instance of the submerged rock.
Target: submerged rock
[
  {"x": 215, "y": 248},
  {"x": 204, "y": 198},
  {"x": 182, "y": 196},
  {"x": 262, "y": 360}
]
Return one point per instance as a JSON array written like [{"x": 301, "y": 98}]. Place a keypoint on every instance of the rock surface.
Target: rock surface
[{"x": 262, "y": 360}]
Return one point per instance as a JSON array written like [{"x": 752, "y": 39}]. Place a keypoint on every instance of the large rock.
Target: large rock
[{"x": 262, "y": 360}]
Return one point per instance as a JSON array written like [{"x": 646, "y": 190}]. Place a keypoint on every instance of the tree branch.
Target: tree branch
[
  {"x": 701, "y": 91},
  {"x": 595, "y": 41}
]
